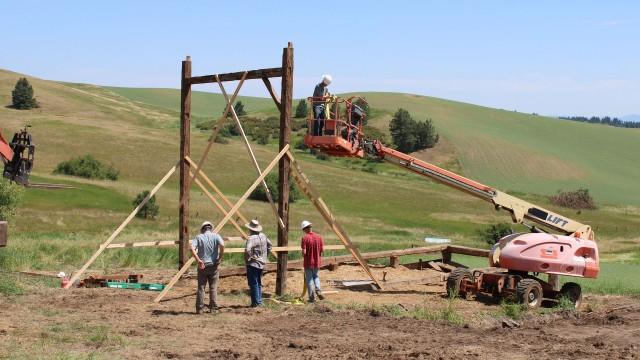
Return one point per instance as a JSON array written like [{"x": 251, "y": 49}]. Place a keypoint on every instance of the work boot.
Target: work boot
[
  {"x": 311, "y": 300},
  {"x": 319, "y": 293},
  {"x": 199, "y": 311}
]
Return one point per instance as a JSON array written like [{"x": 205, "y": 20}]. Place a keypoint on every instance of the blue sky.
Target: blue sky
[{"x": 549, "y": 57}]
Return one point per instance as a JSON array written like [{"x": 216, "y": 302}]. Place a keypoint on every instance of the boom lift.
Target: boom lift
[{"x": 561, "y": 246}]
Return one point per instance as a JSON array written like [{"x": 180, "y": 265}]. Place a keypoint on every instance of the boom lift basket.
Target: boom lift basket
[{"x": 337, "y": 129}]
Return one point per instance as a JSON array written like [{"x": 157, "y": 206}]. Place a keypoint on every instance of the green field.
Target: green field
[{"x": 136, "y": 130}]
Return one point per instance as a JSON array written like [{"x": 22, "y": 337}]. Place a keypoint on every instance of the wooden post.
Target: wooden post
[
  {"x": 185, "y": 150},
  {"x": 286, "y": 98},
  {"x": 394, "y": 261}
]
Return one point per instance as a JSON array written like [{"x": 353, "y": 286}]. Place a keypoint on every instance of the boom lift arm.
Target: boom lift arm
[{"x": 519, "y": 209}]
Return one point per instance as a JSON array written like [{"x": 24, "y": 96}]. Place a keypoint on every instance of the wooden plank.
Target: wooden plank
[
  {"x": 464, "y": 250},
  {"x": 241, "y": 201},
  {"x": 220, "y": 208},
  {"x": 230, "y": 239},
  {"x": 272, "y": 92},
  {"x": 185, "y": 150},
  {"x": 214, "y": 133},
  {"x": 253, "y": 157},
  {"x": 104, "y": 245},
  {"x": 217, "y": 190},
  {"x": 286, "y": 96},
  {"x": 251, "y": 75},
  {"x": 307, "y": 189}
]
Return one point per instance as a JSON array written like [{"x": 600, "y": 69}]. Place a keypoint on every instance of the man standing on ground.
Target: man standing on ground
[
  {"x": 320, "y": 91},
  {"x": 256, "y": 255},
  {"x": 207, "y": 248},
  {"x": 312, "y": 247}
]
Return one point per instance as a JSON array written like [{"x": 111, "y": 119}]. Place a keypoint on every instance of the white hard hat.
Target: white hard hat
[
  {"x": 305, "y": 224},
  {"x": 206, "y": 223},
  {"x": 61, "y": 274},
  {"x": 326, "y": 78}
]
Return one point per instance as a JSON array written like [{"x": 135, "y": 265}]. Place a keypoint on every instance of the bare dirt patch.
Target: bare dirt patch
[{"x": 109, "y": 323}]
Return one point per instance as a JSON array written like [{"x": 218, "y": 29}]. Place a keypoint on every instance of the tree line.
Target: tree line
[
  {"x": 604, "y": 121},
  {"x": 410, "y": 135}
]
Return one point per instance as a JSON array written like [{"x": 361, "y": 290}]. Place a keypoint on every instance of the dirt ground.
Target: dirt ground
[{"x": 349, "y": 324}]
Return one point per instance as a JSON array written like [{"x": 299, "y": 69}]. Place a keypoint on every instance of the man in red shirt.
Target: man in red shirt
[{"x": 312, "y": 247}]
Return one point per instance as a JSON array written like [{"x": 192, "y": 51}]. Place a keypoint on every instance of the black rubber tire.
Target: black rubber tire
[
  {"x": 529, "y": 293},
  {"x": 454, "y": 280},
  {"x": 573, "y": 292}
]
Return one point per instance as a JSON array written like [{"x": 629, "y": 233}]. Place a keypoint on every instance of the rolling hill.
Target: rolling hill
[
  {"x": 509, "y": 150},
  {"x": 136, "y": 130}
]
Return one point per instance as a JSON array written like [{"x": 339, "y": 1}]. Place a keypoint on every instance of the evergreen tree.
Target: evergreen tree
[
  {"x": 22, "y": 95},
  {"x": 426, "y": 136},
  {"x": 402, "y": 131},
  {"x": 150, "y": 209},
  {"x": 301, "y": 109},
  {"x": 238, "y": 107}
]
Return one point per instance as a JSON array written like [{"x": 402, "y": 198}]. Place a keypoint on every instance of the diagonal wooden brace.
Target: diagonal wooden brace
[
  {"x": 216, "y": 130},
  {"x": 253, "y": 156},
  {"x": 224, "y": 221}
]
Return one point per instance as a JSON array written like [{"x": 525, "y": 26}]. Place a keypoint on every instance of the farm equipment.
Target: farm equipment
[
  {"x": 17, "y": 156},
  {"x": 516, "y": 260}
]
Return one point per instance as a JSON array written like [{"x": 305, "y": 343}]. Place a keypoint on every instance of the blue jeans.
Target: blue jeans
[
  {"x": 313, "y": 281},
  {"x": 318, "y": 124},
  {"x": 254, "y": 279}
]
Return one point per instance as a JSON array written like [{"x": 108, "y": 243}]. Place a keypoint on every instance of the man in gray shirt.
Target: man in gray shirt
[
  {"x": 320, "y": 91},
  {"x": 256, "y": 254},
  {"x": 207, "y": 248}
]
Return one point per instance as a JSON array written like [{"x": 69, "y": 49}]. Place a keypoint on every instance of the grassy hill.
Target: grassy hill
[
  {"x": 136, "y": 130},
  {"x": 509, "y": 150}
]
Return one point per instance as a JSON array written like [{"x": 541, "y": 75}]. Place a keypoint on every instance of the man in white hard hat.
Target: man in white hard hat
[
  {"x": 256, "y": 255},
  {"x": 312, "y": 247},
  {"x": 319, "y": 93},
  {"x": 207, "y": 248}
]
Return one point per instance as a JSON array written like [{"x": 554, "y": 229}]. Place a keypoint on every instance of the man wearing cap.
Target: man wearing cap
[
  {"x": 320, "y": 91},
  {"x": 312, "y": 247},
  {"x": 256, "y": 254},
  {"x": 207, "y": 248}
]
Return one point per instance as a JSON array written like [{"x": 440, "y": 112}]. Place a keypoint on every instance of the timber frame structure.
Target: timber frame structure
[{"x": 191, "y": 172}]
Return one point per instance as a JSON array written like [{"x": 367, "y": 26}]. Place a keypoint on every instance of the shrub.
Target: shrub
[
  {"x": 578, "y": 199},
  {"x": 150, "y": 209},
  {"x": 495, "y": 232},
  {"x": 238, "y": 107},
  {"x": 87, "y": 167},
  {"x": 10, "y": 196},
  {"x": 22, "y": 95},
  {"x": 272, "y": 183}
]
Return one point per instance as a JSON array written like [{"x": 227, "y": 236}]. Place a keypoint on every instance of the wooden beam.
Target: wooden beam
[
  {"x": 185, "y": 150},
  {"x": 216, "y": 190},
  {"x": 316, "y": 200},
  {"x": 284, "y": 171},
  {"x": 163, "y": 243},
  {"x": 251, "y": 75},
  {"x": 464, "y": 250},
  {"x": 272, "y": 92},
  {"x": 104, "y": 245},
  {"x": 223, "y": 222},
  {"x": 220, "y": 208}
]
